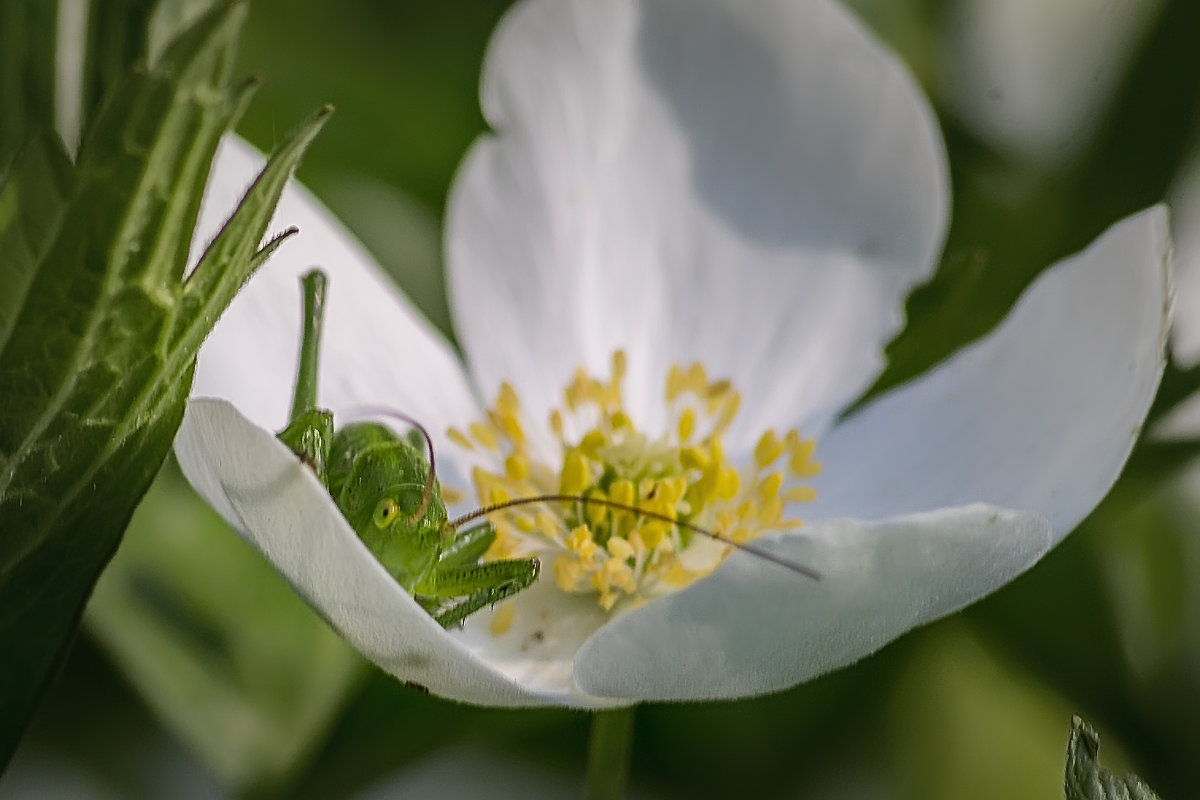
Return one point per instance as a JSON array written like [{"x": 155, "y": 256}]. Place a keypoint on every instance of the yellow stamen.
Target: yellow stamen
[
  {"x": 460, "y": 439},
  {"x": 768, "y": 449},
  {"x": 683, "y": 475},
  {"x": 516, "y": 468},
  {"x": 502, "y": 620},
  {"x": 485, "y": 435},
  {"x": 687, "y": 424}
]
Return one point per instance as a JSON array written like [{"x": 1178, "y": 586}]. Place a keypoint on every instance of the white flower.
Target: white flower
[{"x": 751, "y": 186}]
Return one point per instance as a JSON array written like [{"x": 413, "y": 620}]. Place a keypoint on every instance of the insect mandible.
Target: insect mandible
[{"x": 386, "y": 487}]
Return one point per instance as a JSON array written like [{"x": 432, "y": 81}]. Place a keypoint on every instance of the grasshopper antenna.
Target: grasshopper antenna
[
  {"x": 799, "y": 569},
  {"x": 380, "y": 411}
]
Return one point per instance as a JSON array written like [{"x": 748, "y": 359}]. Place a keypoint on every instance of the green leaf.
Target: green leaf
[
  {"x": 32, "y": 202},
  {"x": 1087, "y": 780},
  {"x": 964, "y": 722},
  {"x": 170, "y": 18},
  {"x": 116, "y": 39},
  {"x": 100, "y": 346},
  {"x": 27, "y": 58}
]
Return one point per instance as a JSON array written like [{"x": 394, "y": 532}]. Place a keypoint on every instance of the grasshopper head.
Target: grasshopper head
[{"x": 405, "y": 533}]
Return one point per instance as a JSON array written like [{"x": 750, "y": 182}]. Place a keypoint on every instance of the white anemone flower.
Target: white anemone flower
[{"x": 700, "y": 218}]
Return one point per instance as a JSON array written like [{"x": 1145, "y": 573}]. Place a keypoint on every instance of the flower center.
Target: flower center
[{"x": 626, "y": 557}]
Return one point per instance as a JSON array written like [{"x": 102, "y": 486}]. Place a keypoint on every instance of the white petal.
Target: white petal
[
  {"x": 756, "y": 185},
  {"x": 1035, "y": 77},
  {"x": 755, "y": 627},
  {"x": 376, "y": 349},
  {"x": 277, "y": 505},
  {"x": 1041, "y": 414}
]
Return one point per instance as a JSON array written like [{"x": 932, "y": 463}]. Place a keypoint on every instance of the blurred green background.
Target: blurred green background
[{"x": 199, "y": 674}]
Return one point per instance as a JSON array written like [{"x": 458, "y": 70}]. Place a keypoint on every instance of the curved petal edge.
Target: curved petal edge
[
  {"x": 753, "y": 627},
  {"x": 1040, "y": 414}
]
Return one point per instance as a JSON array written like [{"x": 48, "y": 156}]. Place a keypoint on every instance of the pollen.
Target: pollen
[{"x": 643, "y": 501}]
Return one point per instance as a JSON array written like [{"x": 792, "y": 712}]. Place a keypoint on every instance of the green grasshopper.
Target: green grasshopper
[{"x": 388, "y": 492}]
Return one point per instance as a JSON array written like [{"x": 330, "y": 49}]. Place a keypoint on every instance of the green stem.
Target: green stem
[
  {"x": 305, "y": 397},
  {"x": 608, "y": 753}
]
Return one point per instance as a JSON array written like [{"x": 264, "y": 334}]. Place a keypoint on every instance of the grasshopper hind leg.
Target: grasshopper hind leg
[{"x": 455, "y": 593}]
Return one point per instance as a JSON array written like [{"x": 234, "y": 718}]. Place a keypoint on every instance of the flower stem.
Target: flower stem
[{"x": 608, "y": 753}]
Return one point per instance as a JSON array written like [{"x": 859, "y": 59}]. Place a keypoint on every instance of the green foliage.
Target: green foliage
[
  {"x": 222, "y": 648},
  {"x": 965, "y": 723},
  {"x": 1087, "y": 780},
  {"x": 99, "y": 340},
  {"x": 27, "y": 89}
]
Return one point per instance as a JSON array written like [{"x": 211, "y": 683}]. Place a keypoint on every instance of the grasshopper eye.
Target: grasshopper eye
[{"x": 385, "y": 512}]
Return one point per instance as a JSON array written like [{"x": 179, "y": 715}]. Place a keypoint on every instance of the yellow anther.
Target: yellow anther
[
  {"x": 592, "y": 442},
  {"x": 673, "y": 487},
  {"x": 675, "y": 383},
  {"x": 484, "y": 481},
  {"x": 687, "y": 424},
  {"x": 768, "y": 449},
  {"x": 697, "y": 378},
  {"x": 615, "y": 572},
  {"x": 452, "y": 496},
  {"x": 772, "y": 512},
  {"x": 800, "y": 453},
  {"x": 619, "y": 366},
  {"x": 769, "y": 486},
  {"x": 620, "y": 548},
  {"x": 526, "y": 524},
  {"x": 800, "y": 494},
  {"x": 498, "y": 495},
  {"x": 507, "y": 401},
  {"x": 718, "y": 389},
  {"x": 516, "y": 468},
  {"x": 567, "y": 572},
  {"x": 576, "y": 475},
  {"x": 728, "y": 484},
  {"x": 620, "y": 420},
  {"x": 581, "y": 543},
  {"x": 705, "y": 488},
  {"x": 716, "y": 450},
  {"x": 808, "y": 469},
  {"x": 485, "y": 435},
  {"x": 732, "y": 402},
  {"x": 653, "y": 533},
  {"x": 460, "y": 439},
  {"x": 595, "y": 512},
  {"x": 678, "y": 575},
  {"x": 693, "y": 458},
  {"x": 502, "y": 620},
  {"x": 622, "y": 492},
  {"x": 556, "y": 423}
]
